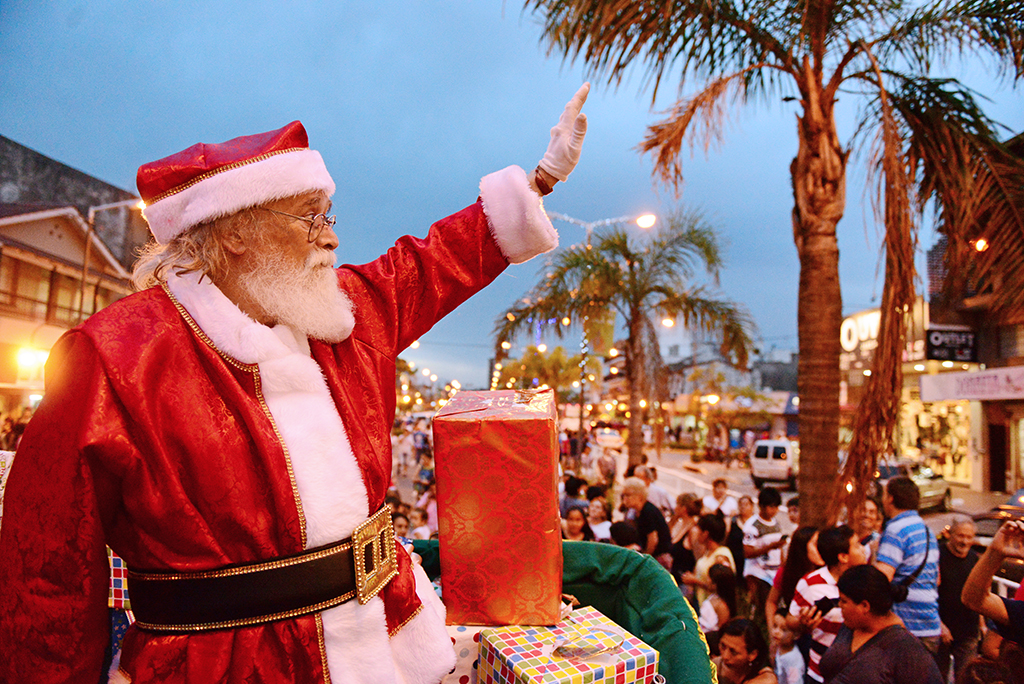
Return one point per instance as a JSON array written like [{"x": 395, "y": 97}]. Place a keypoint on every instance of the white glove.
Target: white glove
[{"x": 567, "y": 138}]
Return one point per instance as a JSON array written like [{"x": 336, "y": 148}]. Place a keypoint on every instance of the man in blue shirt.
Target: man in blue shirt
[{"x": 906, "y": 546}]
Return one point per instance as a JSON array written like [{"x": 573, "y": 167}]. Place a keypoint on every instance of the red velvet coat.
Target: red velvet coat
[{"x": 152, "y": 441}]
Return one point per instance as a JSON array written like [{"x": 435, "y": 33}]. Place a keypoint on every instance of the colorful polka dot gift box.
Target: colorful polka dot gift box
[{"x": 585, "y": 648}]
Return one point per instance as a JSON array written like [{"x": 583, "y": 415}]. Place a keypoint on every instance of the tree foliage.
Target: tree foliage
[
  {"x": 643, "y": 281},
  {"x": 929, "y": 146}
]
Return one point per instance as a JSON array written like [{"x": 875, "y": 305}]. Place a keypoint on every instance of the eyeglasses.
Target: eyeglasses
[{"x": 316, "y": 223}]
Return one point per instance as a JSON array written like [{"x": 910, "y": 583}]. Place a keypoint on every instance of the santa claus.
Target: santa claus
[{"x": 226, "y": 431}]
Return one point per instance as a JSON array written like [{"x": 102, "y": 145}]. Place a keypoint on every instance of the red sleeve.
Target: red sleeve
[
  {"x": 420, "y": 281},
  {"x": 54, "y": 625}
]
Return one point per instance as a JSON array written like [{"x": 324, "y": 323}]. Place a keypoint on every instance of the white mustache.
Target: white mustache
[{"x": 321, "y": 257}]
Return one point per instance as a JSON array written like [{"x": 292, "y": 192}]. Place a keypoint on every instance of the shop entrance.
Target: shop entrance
[{"x": 998, "y": 445}]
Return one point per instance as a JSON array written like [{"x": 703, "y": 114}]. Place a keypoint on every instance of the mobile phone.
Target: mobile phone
[{"x": 825, "y": 605}]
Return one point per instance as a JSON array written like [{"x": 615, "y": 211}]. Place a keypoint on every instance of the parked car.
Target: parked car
[
  {"x": 935, "y": 491},
  {"x": 774, "y": 460},
  {"x": 608, "y": 438},
  {"x": 988, "y": 523}
]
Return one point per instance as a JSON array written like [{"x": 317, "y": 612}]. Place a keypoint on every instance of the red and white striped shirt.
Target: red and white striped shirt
[{"x": 812, "y": 587}]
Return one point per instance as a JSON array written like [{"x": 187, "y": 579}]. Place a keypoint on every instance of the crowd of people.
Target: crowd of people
[
  {"x": 12, "y": 427},
  {"x": 781, "y": 603}
]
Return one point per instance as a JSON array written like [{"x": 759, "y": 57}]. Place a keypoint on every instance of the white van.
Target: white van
[{"x": 774, "y": 460}]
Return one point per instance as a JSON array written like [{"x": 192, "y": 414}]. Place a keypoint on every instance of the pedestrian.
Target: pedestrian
[
  {"x": 420, "y": 441},
  {"x": 873, "y": 646},
  {"x": 572, "y": 497},
  {"x": 720, "y": 500},
  {"x": 719, "y": 606},
  {"x": 418, "y": 523},
  {"x": 790, "y": 667},
  {"x": 575, "y": 526},
  {"x": 1008, "y": 614},
  {"x": 236, "y": 412},
  {"x": 624, "y": 533},
  {"x": 656, "y": 494},
  {"x": 815, "y": 606},
  {"x": 762, "y": 544},
  {"x": 802, "y": 559},
  {"x": 428, "y": 503},
  {"x": 607, "y": 466},
  {"x": 743, "y": 655},
  {"x": 709, "y": 534},
  {"x": 792, "y": 520},
  {"x": 400, "y": 523},
  {"x": 655, "y": 539},
  {"x": 868, "y": 524},
  {"x": 734, "y": 537},
  {"x": 599, "y": 516},
  {"x": 909, "y": 556},
  {"x": 425, "y": 475},
  {"x": 684, "y": 518},
  {"x": 961, "y": 626}
]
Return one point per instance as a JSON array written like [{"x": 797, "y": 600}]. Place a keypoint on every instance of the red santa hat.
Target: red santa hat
[{"x": 208, "y": 181}]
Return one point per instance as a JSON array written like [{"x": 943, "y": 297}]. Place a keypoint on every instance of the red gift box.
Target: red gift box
[{"x": 496, "y": 468}]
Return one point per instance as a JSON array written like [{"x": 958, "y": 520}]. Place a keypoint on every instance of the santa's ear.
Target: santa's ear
[{"x": 233, "y": 242}]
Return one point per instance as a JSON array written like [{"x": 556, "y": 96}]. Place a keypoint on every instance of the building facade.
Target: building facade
[{"x": 56, "y": 268}]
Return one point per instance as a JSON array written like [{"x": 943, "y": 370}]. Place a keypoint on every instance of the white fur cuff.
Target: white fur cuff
[{"x": 516, "y": 215}]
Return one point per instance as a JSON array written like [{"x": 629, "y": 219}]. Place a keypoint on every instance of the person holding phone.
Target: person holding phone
[
  {"x": 1008, "y": 614},
  {"x": 815, "y": 606}
]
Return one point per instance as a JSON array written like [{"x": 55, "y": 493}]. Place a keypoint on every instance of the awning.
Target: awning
[{"x": 991, "y": 384}]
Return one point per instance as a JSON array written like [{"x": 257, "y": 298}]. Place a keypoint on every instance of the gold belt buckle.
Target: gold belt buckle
[{"x": 374, "y": 555}]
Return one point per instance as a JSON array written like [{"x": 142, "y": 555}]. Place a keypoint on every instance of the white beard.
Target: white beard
[{"x": 306, "y": 299}]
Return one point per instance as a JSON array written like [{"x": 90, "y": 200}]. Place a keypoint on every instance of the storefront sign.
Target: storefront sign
[
  {"x": 951, "y": 345},
  {"x": 858, "y": 336},
  {"x": 993, "y": 384}
]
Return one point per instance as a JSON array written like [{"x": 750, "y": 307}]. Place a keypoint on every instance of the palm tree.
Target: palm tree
[
  {"x": 641, "y": 281},
  {"x": 927, "y": 140},
  {"x": 552, "y": 368}
]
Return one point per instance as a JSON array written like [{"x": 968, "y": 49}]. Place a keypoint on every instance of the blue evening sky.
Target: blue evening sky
[{"x": 410, "y": 103}]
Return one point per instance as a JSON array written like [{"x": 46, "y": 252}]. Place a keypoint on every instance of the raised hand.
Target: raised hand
[
  {"x": 1009, "y": 540},
  {"x": 566, "y": 144}
]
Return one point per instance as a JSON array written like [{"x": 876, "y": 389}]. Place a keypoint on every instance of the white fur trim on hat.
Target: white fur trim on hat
[
  {"x": 248, "y": 185},
  {"x": 516, "y": 215}
]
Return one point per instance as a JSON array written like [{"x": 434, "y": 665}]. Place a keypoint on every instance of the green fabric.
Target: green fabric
[{"x": 636, "y": 593}]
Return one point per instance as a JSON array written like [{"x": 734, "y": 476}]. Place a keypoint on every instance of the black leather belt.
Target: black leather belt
[{"x": 256, "y": 593}]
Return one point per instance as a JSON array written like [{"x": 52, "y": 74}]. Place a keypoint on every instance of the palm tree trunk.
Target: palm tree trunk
[
  {"x": 819, "y": 190},
  {"x": 635, "y": 364}
]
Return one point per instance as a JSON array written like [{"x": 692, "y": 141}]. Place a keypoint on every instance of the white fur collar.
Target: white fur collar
[
  {"x": 330, "y": 486},
  {"x": 231, "y": 331}
]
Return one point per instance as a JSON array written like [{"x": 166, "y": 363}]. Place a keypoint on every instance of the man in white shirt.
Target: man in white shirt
[{"x": 719, "y": 500}]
